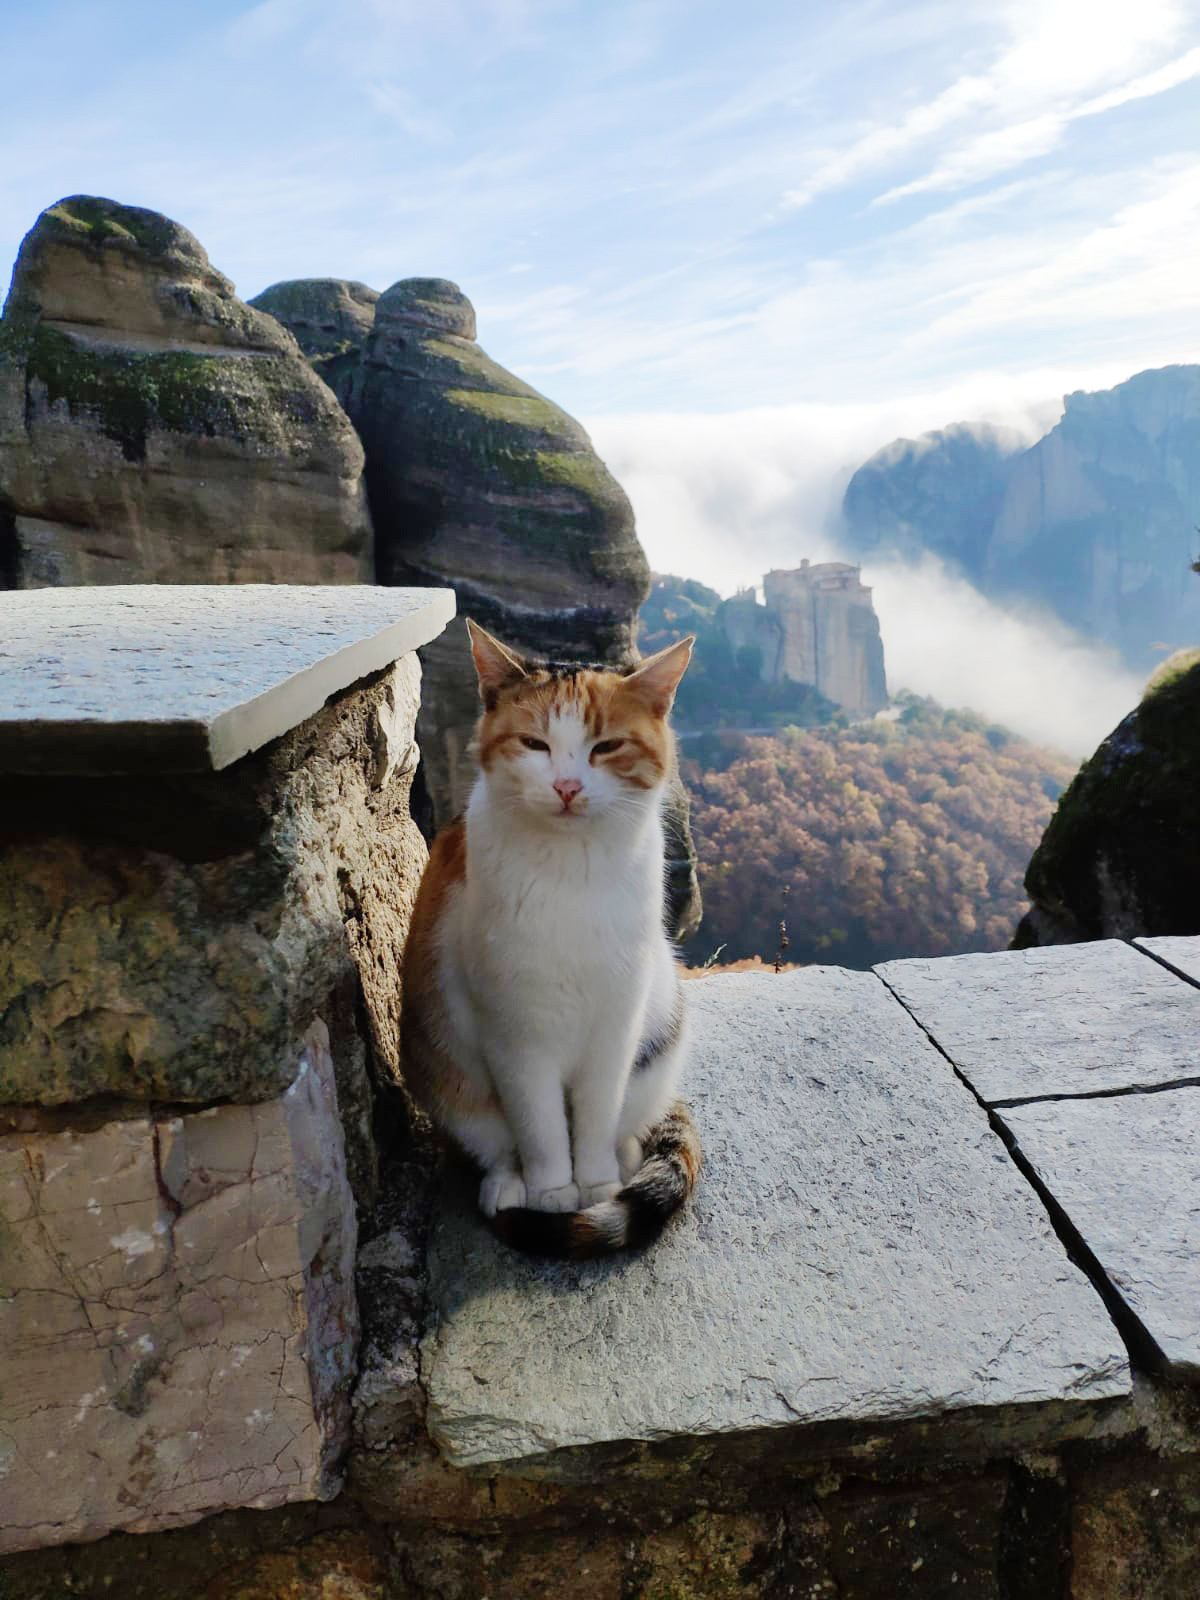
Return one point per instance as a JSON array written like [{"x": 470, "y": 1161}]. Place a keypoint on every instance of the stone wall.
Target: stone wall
[
  {"x": 199, "y": 1003},
  {"x": 895, "y": 1346}
]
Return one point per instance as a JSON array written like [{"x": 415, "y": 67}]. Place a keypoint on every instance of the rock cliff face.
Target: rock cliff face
[
  {"x": 153, "y": 428},
  {"x": 817, "y": 626},
  {"x": 941, "y": 492},
  {"x": 1096, "y": 520},
  {"x": 1121, "y": 856}
]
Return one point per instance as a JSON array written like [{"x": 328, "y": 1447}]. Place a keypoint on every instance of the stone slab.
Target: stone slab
[
  {"x": 177, "y": 1314},
  {"x": 860, "y": 1248},
  {"x": 188, "y": 677},
  {"x": 1123, "y": 1168},
  {"x": 1055, "y": 1019},
  {"x": 1180, "y": 952}
]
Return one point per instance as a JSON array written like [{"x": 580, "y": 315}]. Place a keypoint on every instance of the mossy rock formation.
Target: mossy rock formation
[
  {"x": 153, "y": 428},
  {"x": 1121, "y": 856}
]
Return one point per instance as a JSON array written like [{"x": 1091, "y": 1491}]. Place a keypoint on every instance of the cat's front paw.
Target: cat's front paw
[
  {"x": 591, "y": 1194},
  {"x": 564, "y": 1199},
  {"x": 501, "y": 1191}
]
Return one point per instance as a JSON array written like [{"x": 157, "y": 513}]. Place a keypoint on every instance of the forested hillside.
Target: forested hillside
[{"x": 885, "y": 839}]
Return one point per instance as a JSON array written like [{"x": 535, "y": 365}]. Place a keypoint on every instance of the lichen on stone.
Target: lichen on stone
[
  {"x": 131, "y": 393},
  {"x": 98, "y": 220},
  {"x": 527, "y": 411}
]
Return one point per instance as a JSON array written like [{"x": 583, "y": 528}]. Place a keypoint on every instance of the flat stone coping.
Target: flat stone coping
[
  {"x": 860, "y": 1248},
  {"x": 1056, "y": 1020},
  {"x": 1124, "y": 1169},
  {"x": 187, "y": 677},
  {"x": 1180, "y": 952}
]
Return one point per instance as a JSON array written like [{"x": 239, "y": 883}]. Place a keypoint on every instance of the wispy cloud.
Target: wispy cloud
[
  {"x": 1053, "y": 63},
  {"x": 1004, "y": 148}
]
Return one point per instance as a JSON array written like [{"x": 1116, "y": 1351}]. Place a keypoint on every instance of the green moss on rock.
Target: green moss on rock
[
  {"x": 132, "y": 393},
  {"x": 94, "y": 220},
  {"x": 528, "y": 411}
]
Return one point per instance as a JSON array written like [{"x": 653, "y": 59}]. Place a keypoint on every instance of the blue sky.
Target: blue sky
[
  {"x": 745, "y": 244},
  {"x": 666, "y": 204}
]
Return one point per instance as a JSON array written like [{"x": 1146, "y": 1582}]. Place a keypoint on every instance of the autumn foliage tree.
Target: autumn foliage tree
[{"x": 890, "y": 838}]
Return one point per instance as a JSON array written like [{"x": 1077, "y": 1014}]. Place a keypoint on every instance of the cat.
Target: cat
[{"x": 543, "y": 1021}]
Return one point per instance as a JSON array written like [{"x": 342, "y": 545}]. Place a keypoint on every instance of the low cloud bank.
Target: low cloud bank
[
  {"x": 724, "y": 498},
  {"x": 943, "y": 638}
]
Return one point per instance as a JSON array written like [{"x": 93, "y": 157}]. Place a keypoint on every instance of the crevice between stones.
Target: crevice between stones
[
  {"x": 1144, "y": 1355},
  {"x": 1190, "y": 1082},
  {"x": 1176, "y": 972},
  {"x": 8, "y": 547}
]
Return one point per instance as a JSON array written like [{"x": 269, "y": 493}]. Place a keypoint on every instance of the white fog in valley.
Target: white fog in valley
[
  {"x": 722, "y": 498},
  {"x": 941, "y": 637}
]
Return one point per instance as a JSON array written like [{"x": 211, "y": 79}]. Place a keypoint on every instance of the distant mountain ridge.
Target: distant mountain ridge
[{"x": 1096, "y": 521}]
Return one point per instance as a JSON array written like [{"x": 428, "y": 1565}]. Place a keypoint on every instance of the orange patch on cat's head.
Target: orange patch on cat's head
[{"x": 627, "y": 710}]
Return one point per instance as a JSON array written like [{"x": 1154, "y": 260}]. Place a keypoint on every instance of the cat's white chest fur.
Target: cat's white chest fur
[{"x": 559, "y": 929}]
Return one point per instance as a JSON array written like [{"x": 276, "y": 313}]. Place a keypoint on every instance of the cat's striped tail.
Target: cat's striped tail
[{"x": 634, "y": 1217}]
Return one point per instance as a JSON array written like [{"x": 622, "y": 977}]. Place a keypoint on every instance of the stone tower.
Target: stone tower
[{"x": 818, "y": 626}]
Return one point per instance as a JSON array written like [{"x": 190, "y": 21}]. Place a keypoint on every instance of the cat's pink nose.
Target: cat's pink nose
[{"x": 566, "y": 789}]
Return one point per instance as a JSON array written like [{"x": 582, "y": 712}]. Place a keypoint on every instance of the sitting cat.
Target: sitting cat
[{"x": 543, "y": 1013}]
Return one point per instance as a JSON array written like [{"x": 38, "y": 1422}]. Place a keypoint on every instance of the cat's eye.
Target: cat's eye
[
  {"x": 533, "y": 744},
  {"x": 605, "y": 747}
]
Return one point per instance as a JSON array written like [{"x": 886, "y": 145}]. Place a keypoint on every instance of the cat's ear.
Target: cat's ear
[
  {"x": 496, "y": 665},
  {"x": 656, "y": 680}
]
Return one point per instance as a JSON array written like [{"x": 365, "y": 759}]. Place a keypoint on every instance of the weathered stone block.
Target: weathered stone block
[
  {"x": 1135, "y": 1531},
  {"x": 1123, "y": 1168},
  {"x": 860, "y": 1250},
  {"x": 1054, "y": 1020},
  {"x": 167, "y": 678},
  {"x": 177, "y": 1315},
  {"x": 172, "y": 939}
]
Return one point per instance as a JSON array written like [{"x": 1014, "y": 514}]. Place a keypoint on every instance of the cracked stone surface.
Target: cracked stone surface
[
  {"x": 860, "y": 1248},
  {"x": 1123, "y": 1168},
  {"x": 1055, "y": 1019},
  {"x": 1180, "y": 951},
  {"x": 177, "y": 1314},
  {"x": 188, "y": 678}
]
